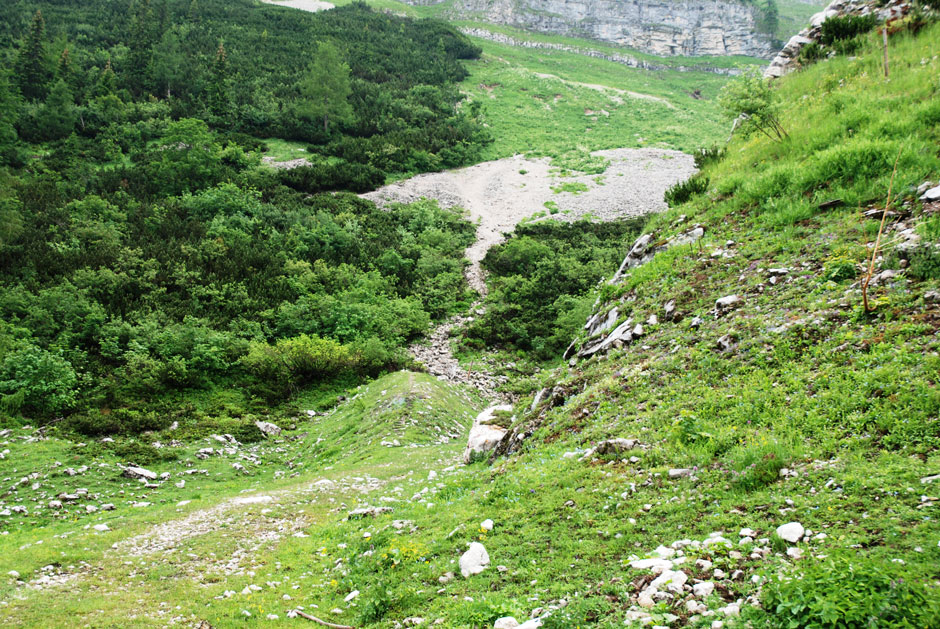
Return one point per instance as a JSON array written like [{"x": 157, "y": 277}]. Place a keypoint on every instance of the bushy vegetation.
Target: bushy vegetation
[
  {"x": 540, "y": 279},
  {"x": 378, "y": 89},
  {"x": 145, "y": 252}
]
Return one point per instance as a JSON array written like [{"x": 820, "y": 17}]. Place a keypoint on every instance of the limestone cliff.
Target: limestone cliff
[{"x": 661, "y": 27}]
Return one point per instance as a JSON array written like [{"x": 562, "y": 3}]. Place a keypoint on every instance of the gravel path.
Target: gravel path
[{"x": 498, "y": 195}]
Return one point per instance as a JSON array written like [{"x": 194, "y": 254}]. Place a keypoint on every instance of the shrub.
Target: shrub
[
  {"x": 711, "y": 155},
  {"x": 925, "y": 262},
  {"x": 291, "y": 362},
  {"x": 684, "y": 190},
  {"x": 846, "y": 27},
  {"x": 33, "y": 379},
  {"x": 810, "y": 53},
  {"x": 848, "y": 592},
  {"x": 754, "y": 104}
]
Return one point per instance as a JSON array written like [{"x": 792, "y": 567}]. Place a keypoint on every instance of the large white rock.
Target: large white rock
[
  {"x": 931, "y": 195},
  {"x": 673, "y": 580},
  {"x": 791, "y": 532},
  {"x": 506, "y": 623},
  {"x": 475, "y": 560},
  {"x": 139, "y": 472},
  {"x": 268, "y": 429},
  {"x": 484, "y": 436}
]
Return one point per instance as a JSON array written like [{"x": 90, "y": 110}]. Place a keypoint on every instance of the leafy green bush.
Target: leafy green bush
[
  {"x": 710, "y": 155},
  {"x": 684, "y": 190},
  {"x": 810, "y": 53},
  {"x": 36, "y": 380},
  {"x": 849, "y": 592},
  {"x": 291, "y": 362},
  {"x": 925, "y": 262},
  {"x": 754, "y": 105}
]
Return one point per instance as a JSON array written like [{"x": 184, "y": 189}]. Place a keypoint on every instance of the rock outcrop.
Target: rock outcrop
[
  {"x": 787, "y": 59},
  {"x": 659, "y": 27}
]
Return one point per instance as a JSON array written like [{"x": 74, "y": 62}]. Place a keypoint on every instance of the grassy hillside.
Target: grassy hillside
[
  {"x": 551, "y": 102},
  {"x": 844, "y": 401},
  {"x": 223, "y": 526}
]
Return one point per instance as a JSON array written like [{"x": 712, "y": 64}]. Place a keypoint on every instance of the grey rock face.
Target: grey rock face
[{"x": 660, "y": 27}]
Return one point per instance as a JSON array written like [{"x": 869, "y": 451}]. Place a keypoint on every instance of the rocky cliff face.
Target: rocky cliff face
[{"x": 661, "y": 27}]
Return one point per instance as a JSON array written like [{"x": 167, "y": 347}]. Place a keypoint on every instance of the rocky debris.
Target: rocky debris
[
  {"x": 791, "y": 532},
  {"x": 487, "y": 525},
  {"x": 931, "y": 194},
  {"x": 139, "y": 473},
  {"x": 611, "y": 446},
  {"x": 370, "y": 512},
  {"x": 287, "y": 164},
  {"x": 484, "y": 436},
  {"x": 507, "y": 622},
  {"x": 435, "y": 354},
  {"x": 268, "y": 429},
  {"x": 474, "y": 561},
  {"x": 647, "y": 246}
]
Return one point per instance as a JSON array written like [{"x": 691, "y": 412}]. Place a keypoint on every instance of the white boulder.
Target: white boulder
[
  {"x": 474, "y": 561},
  {"x": 791, "y": 532}
]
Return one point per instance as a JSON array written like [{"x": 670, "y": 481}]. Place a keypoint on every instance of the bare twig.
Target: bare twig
[
  {"x": 884, "y": 38},
  {"x": 884, "y": 216},
  {"x": 317, "y": 620}
]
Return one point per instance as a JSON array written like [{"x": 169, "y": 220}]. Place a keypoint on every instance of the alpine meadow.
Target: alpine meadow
[{"x": 470, "y": 314}]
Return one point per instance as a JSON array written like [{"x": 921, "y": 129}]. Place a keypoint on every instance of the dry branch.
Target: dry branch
[
  {"x": 297, "y": 612},
  {"x": 881, "y": 228}
]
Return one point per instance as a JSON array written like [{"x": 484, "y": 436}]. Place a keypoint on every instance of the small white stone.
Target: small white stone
[
  {"x": 703, "y": 589},
  {"x": 487, "y": 525},
  {"x": 352, "y": 595}
]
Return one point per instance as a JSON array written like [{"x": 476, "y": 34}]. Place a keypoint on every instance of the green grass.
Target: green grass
[
  {"x": 414, "y": 409},
  {"x": 553, "y": 103},
  {"x": 284, "y": 150}
]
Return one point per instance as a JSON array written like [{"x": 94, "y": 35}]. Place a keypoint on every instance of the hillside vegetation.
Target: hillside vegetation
[{"x": 758, "y": 448}]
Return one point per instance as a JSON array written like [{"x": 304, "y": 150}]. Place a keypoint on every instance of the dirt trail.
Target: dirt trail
[{"x": 498, "y": 195}]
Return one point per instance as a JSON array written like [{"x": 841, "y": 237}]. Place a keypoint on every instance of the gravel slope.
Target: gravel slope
[{"x": 497, "y": 195}]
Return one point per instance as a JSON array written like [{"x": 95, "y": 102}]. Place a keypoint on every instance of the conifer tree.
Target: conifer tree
[
  {"x": 141, "y": 43},
  {"x": 219, "y": 103},
  {"x": 107, "y": 82},
  {"x": 32, "y": 64},
  {"x": 64, "y": 69},
  {"x": 10, "y": 153},
  {"x": 56, "y": 117}
]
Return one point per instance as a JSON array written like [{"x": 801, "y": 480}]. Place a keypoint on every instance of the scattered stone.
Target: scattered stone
[
  {"x": 351, "y": 596},
  {"x": 680, "y": 472},
  {"x": 487, "y": 525},
  {"x": 704, "y": 589},
  {"x": 726, "y": 304},
  {"x": 101, "y": 527},
  {"x": 507, "y": 622},
  {"x": 371, "y": 512}
]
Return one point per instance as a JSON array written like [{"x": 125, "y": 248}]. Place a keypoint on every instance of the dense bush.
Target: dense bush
[
  {"x": 684, "y": 190},
  {"x": 850, "y": 592},
  {"x": 540, "y": 278},
  {"x": 841, "y": 28}
]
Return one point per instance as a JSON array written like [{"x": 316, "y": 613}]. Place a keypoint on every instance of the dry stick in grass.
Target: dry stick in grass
[
  {"x": 317, "y": 620},
  {"x": 884, "y": 216},
  {"x": 884, "y": 39}
]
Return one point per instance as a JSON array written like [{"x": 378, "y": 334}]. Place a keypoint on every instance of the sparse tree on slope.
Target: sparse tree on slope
[{"x": 326, "y": 89}]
